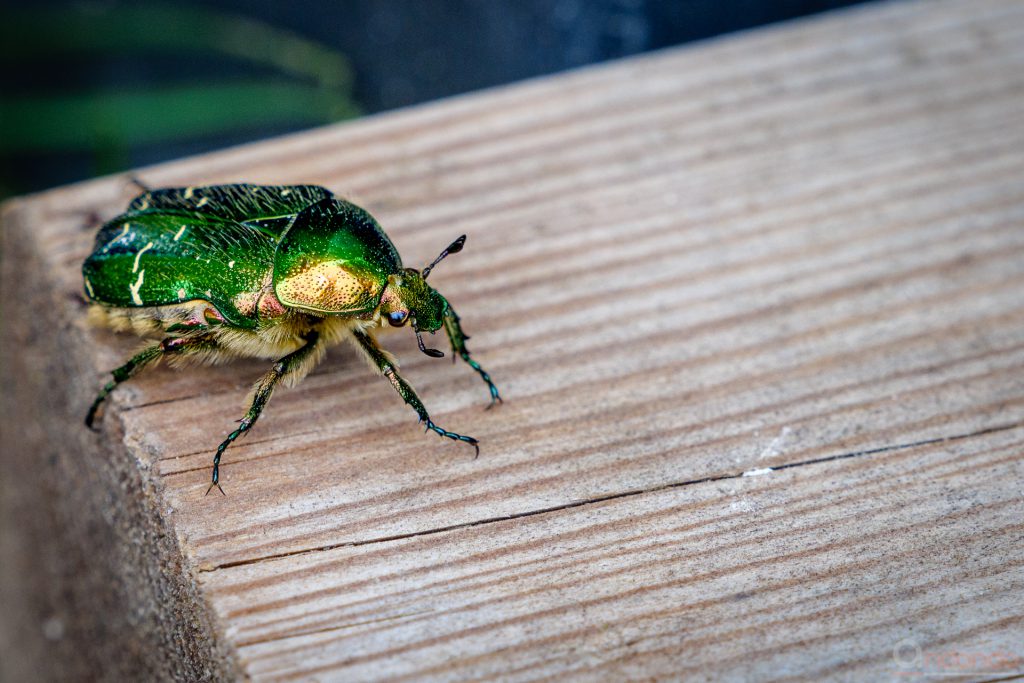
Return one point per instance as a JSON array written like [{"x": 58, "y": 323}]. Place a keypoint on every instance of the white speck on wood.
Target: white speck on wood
[
  {"x": 774, "y": 448},
  {"x": 758, "y": 472}
]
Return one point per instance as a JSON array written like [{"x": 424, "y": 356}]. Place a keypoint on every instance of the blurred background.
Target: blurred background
[{"x": 93, "y": 87}]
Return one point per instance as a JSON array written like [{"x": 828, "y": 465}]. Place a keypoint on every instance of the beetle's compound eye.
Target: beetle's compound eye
[{"x": 398, "y": 318}]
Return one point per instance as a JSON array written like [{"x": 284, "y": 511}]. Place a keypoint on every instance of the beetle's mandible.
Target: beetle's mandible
[{"x": 278, "y": 272}]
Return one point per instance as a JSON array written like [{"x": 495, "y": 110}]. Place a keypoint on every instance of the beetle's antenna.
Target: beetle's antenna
[
  {"x": 453, "y": 248},
  {"x": 433, "y": 353}
]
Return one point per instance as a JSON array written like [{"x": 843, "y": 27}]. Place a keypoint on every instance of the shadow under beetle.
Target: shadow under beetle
[{"x": 276, "y": 272}]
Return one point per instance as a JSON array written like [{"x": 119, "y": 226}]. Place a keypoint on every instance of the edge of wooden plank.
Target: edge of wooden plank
[{"x": 93, "y": 573}]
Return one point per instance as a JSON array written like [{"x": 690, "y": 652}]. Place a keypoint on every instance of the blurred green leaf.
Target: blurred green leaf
[
  {"x": 311, "y": 83},
  {"x": 154, "y": 28},
  {"x": 162, "y": 114}
]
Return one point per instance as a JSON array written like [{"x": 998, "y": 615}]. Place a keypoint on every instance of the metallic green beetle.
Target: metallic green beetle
[{"x": 275, "y": 272}]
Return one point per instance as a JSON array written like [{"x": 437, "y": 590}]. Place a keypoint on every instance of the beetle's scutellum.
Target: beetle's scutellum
[{"x": 275, "y": 272}]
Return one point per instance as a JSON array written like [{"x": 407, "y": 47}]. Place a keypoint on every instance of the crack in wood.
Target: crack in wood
[{"x": 616, "y": 496}]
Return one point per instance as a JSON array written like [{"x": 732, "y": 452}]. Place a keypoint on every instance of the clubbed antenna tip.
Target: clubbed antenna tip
[{"x": 453, "y": 248}]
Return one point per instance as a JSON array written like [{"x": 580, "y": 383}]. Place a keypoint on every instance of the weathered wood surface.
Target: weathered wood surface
[{"x": 800, "y": 248}]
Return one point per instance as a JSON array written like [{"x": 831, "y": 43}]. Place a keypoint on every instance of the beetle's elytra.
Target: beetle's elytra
[{"x": 278, "y": 272}]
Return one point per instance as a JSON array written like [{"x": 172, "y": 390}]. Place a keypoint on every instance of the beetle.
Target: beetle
[{"x": 267, "y": 271}]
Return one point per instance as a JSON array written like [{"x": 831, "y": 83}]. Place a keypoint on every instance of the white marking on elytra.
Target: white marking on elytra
[
  {"x": 135, "y": 268},
  {"x": 209, "y": 293},
  {"x": 285, "y": 193},
  {"x": 124, "y": 231},
  {"x": 181, "y": 293},
  {"x": 88, "y": 288},
  {"x": 144, "y": 204},
  {"x": 189, "y": 191},
  {"x": 134, "y": 289},
  {"x": 231, "y": 264},
  {"x": 181, "y": 231},
  {"x": 203, "y": 202}
]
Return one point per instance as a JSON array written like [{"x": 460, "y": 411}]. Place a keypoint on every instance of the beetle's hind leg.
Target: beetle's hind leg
[
  {"x": 383, "y": 362},
  {"x": 458, "y": 340},
  {"x": 170, "y": 346},
  {"x": 264, "y": 388}
]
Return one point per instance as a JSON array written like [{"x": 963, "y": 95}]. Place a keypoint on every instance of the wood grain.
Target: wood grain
[{"x": 755, "y": 307}]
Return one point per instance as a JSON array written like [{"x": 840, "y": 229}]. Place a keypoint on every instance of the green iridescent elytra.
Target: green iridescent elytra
[{"x": 267, "y": 271}]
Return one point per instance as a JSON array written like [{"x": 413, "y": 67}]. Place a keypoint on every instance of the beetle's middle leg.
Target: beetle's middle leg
[
  {"x": 386, "y": 364},
  {"x": 458, "y": 340},
  {"x": 264, "y": 388},
  {"x": 170, "y": 346}
]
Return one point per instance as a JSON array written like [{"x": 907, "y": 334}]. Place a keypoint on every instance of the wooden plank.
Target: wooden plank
[
  {"x": 815, "y": 572},
  {"x": 798, "y": 249}
]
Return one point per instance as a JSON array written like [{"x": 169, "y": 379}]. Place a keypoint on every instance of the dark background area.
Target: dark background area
[{"x": 94, "y": 87}]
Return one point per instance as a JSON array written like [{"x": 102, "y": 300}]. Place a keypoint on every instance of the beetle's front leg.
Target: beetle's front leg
[
  {"x": 389, "y": 369},
  {"x": 264, "y": 388},
  {"x": 458, "y": 340},
  {"x": 149, "y": 355}
]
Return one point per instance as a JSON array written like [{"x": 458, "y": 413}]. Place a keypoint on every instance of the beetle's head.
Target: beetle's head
[{"x": 408, "y": 299}]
